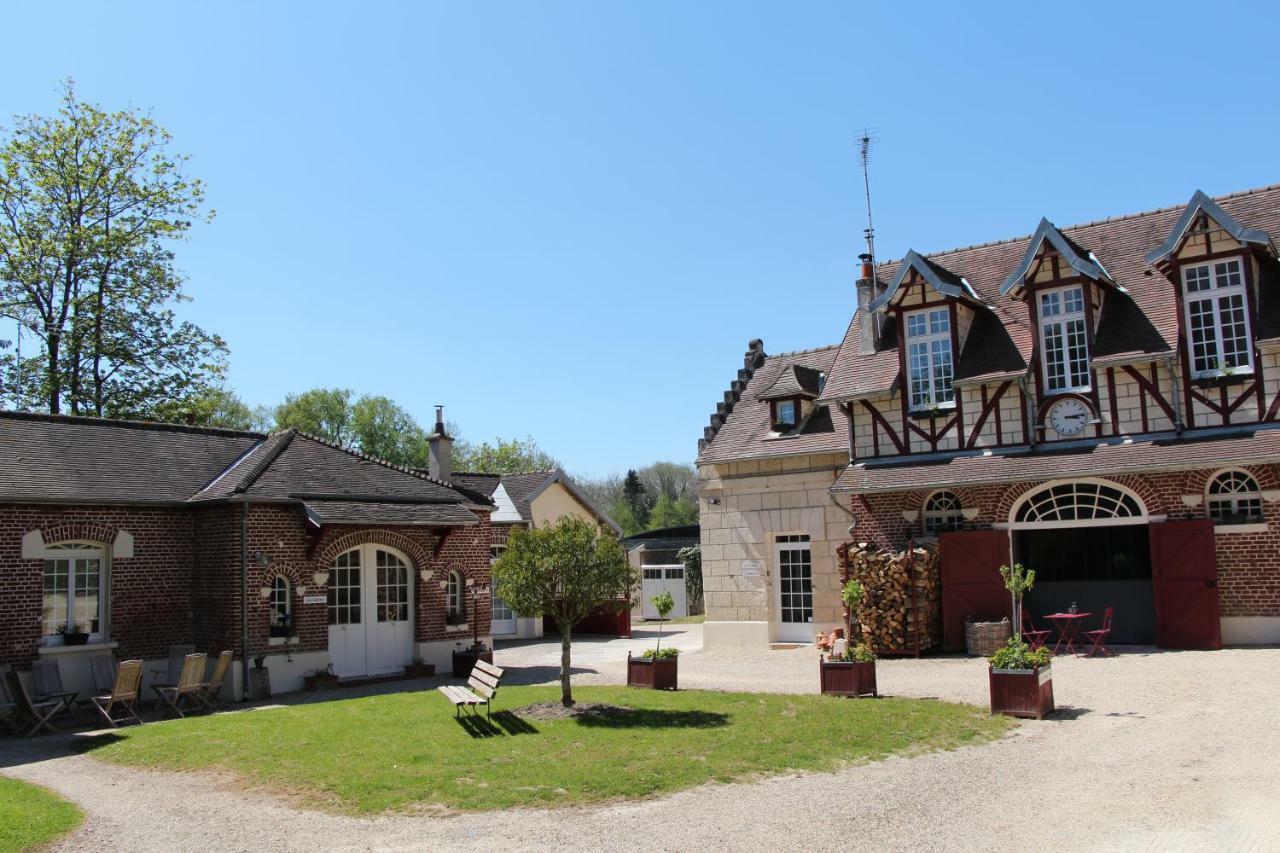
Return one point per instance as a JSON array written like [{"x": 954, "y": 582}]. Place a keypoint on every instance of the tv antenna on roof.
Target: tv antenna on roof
[{"x": 869, "y": 135}]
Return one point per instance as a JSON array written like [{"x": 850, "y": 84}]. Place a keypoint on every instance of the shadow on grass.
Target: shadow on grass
[
  {"x": 526, "y": 675},
  {"x": 651, "y": 718},
  {"x": 501, "y": 723}
]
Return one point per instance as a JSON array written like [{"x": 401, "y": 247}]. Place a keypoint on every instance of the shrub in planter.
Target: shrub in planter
[
  {"x": 851, "y": 673},
  {"x": 75, "y": 635},
  {"x": 656, "y": 667},
  {"x": 321, "y": 679},
  {"x": 1021, "y": 680},
  {"x": 419, "y": 669}
]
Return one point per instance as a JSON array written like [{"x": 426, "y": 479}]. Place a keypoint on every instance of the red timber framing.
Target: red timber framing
[
  {"x": 990, "y": 403},
  {"x": 934, "y": 435}
]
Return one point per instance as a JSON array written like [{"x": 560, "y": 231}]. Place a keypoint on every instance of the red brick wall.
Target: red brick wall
[
  {"x": 183, "y": 583},
  {"x": 1248, "y": 563},
  {"x": 150, "y": 598}
]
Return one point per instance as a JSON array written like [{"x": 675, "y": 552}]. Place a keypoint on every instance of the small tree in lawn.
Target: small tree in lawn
[
  {"x": 664, "y": 604},
  {"x": 564, "y": 570},
  {"x": 1018, "y": 580}
]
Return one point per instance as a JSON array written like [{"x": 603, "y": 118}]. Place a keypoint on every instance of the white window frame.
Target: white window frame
[
  {"x": 1234, "y": 498},
  {"x": 275, "y": 600},
  {"x": 455, "y": 605},
  {"x": 1213, "y": 295},
  {"x": 1044, "y": 489},
  {"x": 934, "y": 520},
  {"x": 71, "y": 551},
  {"x": 938, "y": 390},
  {"x": 1061, "y": 321},
  {"x": 795, "y": 413}
]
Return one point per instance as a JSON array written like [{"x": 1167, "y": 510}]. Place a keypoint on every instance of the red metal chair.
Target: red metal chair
[
  {"x": 1030, "y": 634},
  {"x": 1099, "y": 636}
]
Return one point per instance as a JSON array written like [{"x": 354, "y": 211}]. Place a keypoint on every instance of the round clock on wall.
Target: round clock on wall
[{"x": 1068, "y": 417}]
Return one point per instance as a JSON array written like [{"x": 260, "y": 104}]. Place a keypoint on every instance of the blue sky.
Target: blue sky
[{"x": 565, "y": 220}]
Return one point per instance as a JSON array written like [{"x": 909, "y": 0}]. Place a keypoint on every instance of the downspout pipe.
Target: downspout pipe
[{"x": 244, "y": 602}]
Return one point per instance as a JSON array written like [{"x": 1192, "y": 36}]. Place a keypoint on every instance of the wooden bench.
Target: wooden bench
[{"x": 481, "y": 687}]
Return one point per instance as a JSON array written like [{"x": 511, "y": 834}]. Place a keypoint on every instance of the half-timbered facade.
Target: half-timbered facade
[{"x": 1101, "y": 401}]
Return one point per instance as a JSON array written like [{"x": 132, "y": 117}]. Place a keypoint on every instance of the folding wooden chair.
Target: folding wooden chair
[
  {"x": 103, "y": 668},
  {"x": 36, "y": 714},
  {"x": 168, "y": 677},
  {"x": 1030, "y": 634},
  {"x": 1099, "y": 635},
  {"x": 46, "y": 684},
  {"x": 209, "y": 698},
  {"x": 123, "y": 692},
  {"x": 190, "y": 684},
  {"x": 8, "y": 707}
]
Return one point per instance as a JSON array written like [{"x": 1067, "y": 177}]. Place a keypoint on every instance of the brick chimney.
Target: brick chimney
[
  {"x": 868, "y": 322},
  {"x": 440, "y": 464}
]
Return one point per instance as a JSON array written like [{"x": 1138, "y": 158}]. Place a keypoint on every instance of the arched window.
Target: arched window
[
  {"x": 454, "y": 602},
  {"x": 942, "y": 511},
  {"x": 1233, "y": 497},
  {"x": 1069, "y": 504},
  {"x": 281, "y": 607},
  {"x": 74, "y": 593}
]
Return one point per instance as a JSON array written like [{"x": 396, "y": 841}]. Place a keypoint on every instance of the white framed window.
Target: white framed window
[
  {"x": 929, "y": 358},
  {"x": 785, "y": 413},
  {"x": 74, "y": 592},
  {"x": 1064, "y": 339},
  {"x": 281, "y": 603},
  {"x": 1217, "y": 317},
  {"x": 495, "y": 551},
  {"x": 1233, "y": 497},
  {"x": 453, "y": 600},
  {"x": 942, "y": 511}
]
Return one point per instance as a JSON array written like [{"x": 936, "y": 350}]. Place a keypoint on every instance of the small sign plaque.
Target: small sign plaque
[
  {"x": 315, "y": 599},
  {"x": 751, "y": 568}
]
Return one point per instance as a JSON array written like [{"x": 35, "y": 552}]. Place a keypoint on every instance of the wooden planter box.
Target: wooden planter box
[
  {"x": 465, "y": 660},
  {"x": 657, "y": 674},
  {"x": 848, "y": 678},
  {"x": 423, "y": 670},
  {"x": 323, "y": 681},
  {"x": 1022, "y": 692}
]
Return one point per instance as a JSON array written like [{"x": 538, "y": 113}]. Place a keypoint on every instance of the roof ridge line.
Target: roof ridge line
[
  {"x": 802, "y": 351},
  {"x": 1090, "y": 224},
  {"x": 125, "y": 423}
]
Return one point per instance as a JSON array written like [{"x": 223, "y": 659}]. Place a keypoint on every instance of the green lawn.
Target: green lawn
[
  {"x": 405, "y": 751},
  {"x": 31, "y": 815}
]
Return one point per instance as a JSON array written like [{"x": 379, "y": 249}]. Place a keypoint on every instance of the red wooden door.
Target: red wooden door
[
  {"x": 971, "y": 582},
  {"x": 1184, "y": 568}
]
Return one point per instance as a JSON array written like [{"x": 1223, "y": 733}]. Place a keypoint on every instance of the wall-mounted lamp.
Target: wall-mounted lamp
[
  {"x": 427, "y": 575},
  {"x": 321, "y": 578},
  {"x": 713, "y": 501}
]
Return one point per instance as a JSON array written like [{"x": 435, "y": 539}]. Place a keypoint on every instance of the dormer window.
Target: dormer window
[
  {"x": 784, "y": 415},
  {"x": 1064, "y": 339},
  {"x": 929, "y": 362},
  {"x": 1216, "y": 318}
]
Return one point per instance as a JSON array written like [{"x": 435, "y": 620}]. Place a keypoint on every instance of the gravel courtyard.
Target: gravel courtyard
[{"x": 1151, "y": 750}]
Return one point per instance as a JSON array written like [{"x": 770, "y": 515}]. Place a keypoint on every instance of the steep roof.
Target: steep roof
[
  {"x": 86, "y": 460},
  {"x": 746, "y": 432},
  {"x": 1142, "y": 321}
]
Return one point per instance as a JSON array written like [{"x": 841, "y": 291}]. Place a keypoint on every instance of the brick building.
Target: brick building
[
  {"x": 1100, "y": 402},
  {"x": 144, "y": 535}
]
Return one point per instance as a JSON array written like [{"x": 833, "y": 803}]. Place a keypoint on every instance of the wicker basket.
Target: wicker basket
[{"x": 985, "y": 638}]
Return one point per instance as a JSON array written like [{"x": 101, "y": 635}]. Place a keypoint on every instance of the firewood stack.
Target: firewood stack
[{"x": 901, "y": 608}]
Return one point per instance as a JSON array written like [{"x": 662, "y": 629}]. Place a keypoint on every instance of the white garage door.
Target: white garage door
[{"x": 660, "y": 579}]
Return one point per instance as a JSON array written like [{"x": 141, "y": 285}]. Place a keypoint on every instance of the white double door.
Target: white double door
[
  {"x": 660, "y": 579},
  {"x": 370, "y": 612},
  {"x": 793, "y": 564}
]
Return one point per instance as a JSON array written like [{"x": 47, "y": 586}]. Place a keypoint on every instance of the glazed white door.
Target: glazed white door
[
  {"x": 793, "y": 575},
  {"x": 501, "y": 619},
  {"x": 370, "y": 612},
  {"x": 657, "y": 580}
]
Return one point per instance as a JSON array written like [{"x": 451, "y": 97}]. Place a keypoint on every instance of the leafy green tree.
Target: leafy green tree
[
  {"x": 385, "y": 430},
  {"x": 91, "y": 204},
  {"x": 691, "y": 557},
  {"x": 664, "y": 604},
  {"x": 322, "y": 412},
  {"x": 636, "y": 498},
  {"x": 670, "y": 513},
  {"x": 565, "y": 571},
  {"x": 214, "y": 407},
  {"x": 514, "y": 456}
]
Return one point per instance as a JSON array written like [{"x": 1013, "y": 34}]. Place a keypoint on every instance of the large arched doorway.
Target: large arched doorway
[
  {"x": 1088, "y": 541},
  {"x": 370, "y": 611}
]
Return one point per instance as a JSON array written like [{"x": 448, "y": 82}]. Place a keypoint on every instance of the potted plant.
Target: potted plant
[
  {"x": 1021, "y": 680},
  {"x": 464, "y": 660},
  {"x": 74, "y": 635},
  {"x": 656, "y": 667},
  {"x": 419, "y": 668},
  {"x": 850, "y": 668},
  {"x": 321, "y": 679},
  {"x": 281, "y": 627}
]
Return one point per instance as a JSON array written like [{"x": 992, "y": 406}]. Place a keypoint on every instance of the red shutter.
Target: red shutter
[
  {"x": 971, "y": 582},
  {"x": 1184, "y": 567}
]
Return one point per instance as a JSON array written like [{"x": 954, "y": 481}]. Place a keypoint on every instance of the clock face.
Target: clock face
[{"x": 1069, "y": 416}]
